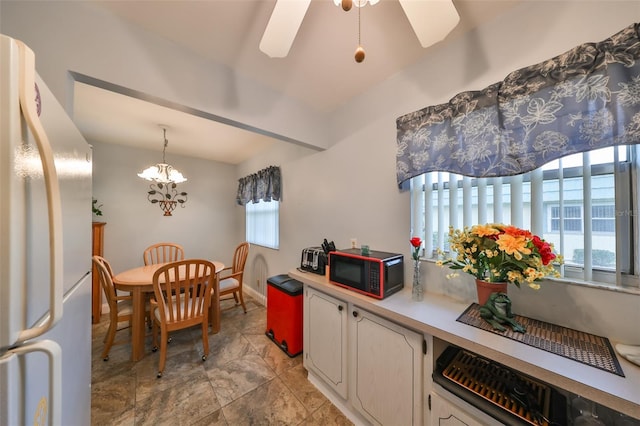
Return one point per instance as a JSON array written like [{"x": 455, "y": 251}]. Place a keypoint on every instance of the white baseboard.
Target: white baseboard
[{"x": 259, "y": 297}]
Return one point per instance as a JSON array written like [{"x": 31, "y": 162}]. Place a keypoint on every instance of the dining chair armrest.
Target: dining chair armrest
[
  {"x": 237, "y": 276},
  {"x": 228, "y": 268}
]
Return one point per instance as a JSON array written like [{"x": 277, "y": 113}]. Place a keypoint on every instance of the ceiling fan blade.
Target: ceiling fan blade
[
  {"x": 283, "y": 26},
  {"x": 431, "y": 20}
]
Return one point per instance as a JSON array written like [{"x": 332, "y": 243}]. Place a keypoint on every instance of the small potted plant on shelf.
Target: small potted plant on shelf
[{"x": 96, "y": 208}]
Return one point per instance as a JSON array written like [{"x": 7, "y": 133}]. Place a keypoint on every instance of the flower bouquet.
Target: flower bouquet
[{"x": 502, "y": 253}]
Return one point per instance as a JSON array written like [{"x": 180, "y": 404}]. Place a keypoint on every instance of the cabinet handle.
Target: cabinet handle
[
  {"x": 355, "y": 314},
  {"x": 340, "y": 308}
]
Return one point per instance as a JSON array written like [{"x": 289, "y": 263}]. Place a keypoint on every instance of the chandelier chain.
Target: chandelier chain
[{"x": 164, "y": 148}]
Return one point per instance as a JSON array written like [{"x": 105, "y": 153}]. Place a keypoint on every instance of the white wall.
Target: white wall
[
  {"x": 207, "y": 227},
  {"x": 348, "y": 190}
]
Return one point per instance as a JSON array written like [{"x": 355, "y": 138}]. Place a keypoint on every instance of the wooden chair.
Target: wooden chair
[
  {"x": 120, "y": 308},
  {"x": 183, "y": 292},
  {"x": 162, "y": 253},
  {"x": 230, "y": 278}
]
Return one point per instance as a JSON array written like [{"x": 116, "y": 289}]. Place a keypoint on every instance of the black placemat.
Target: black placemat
[{"x": 586, "y": 348}]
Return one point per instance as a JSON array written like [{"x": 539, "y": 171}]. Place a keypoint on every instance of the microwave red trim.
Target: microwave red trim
[{"x": 378, "y": 275}]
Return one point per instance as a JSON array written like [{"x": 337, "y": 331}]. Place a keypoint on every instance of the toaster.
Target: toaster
[{"x": 314, "y": 259}]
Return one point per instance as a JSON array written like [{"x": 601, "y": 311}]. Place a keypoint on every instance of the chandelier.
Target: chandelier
[{"x": 164, "y": 178}]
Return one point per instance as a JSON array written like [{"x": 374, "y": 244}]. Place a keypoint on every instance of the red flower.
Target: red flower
[
  {"x": 544, "y": 249},
  {"x": 416, "y": 241}
]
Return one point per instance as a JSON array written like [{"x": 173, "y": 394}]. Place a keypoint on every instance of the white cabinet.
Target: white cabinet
[
  {"x": 452, "y": 411},
  {"x": 373, "y": 364},
  {"x": 386, "y": 370},
  {"x": 325, "y": 339}
]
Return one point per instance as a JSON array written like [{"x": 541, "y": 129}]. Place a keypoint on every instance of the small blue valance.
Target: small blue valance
[
  {"x": 584, "y": 99},
  {"x": 263, "y": 185}
]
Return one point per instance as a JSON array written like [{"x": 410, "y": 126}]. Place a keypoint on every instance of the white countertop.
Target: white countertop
[{"x": 436, "y": 315}]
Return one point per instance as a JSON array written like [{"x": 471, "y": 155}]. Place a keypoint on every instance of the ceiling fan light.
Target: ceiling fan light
[{"x": 358, "y": 3}]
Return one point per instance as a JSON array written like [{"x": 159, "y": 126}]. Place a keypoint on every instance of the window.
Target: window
[
  {"x": 604, "y": 218},
  {"x": 582, "y": 203},
  {"x": 262, "y": 223},
  {"x": 572, "y": 219}
]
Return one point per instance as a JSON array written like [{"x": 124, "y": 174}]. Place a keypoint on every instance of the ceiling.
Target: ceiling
[{"x": 229, "y": 32}]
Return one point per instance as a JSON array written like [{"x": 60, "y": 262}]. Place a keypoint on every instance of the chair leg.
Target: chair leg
[
  {"x": 108, "y": 341},
  {"x": 163, "y": 351},
  {"x": 154, "y": 335},
  {"x": 241, "y": 301},
  {"x": 205, "y": 339},
  {"x": 235, "y": 297}
]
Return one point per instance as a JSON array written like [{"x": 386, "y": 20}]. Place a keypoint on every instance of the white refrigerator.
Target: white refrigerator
[{"x": 45, "y": 252}]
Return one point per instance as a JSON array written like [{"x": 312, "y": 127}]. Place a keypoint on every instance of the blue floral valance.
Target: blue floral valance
[
  {"x": 263, "y": 185},
  {"x": 584, "y": 99}
]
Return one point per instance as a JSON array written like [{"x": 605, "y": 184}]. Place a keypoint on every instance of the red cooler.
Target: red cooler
[{"x": 284, "y": 313}]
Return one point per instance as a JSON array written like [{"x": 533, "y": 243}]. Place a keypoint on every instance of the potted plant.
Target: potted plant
[
  {"x": 498, "y": 255},
  {"x": 96, "y": 208}
]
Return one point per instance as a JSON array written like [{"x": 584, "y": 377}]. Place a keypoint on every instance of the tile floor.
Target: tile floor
[{"x": 246, "y": 380}]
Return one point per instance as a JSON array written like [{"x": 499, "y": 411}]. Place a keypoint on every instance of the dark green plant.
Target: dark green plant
[{"x": 95, "y": 208}]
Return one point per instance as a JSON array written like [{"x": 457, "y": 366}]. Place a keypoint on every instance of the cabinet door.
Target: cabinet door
[
  {"x": 325, "y": 339},
  {"x": 448, "y": 413},
  {"x": 386, "y": 370}
]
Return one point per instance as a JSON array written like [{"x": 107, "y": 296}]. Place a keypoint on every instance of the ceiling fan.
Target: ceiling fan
[{"x": 431, "y": 20}]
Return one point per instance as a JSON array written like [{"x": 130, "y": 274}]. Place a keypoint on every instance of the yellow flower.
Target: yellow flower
[
  {"x": 514, "y": 276},
  {"x": 484, "y": 230},
  {"x": 516, "y": 246}
]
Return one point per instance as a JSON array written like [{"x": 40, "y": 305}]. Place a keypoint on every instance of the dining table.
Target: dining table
[{"x": 139, "y": 281}]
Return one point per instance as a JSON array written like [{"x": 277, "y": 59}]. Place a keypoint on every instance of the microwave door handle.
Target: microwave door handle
[
  {"x": 54, "y": 354},
  {"x": 54, "y": 210}
]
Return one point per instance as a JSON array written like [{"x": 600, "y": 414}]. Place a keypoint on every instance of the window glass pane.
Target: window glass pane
[
  {"x": 604, "y": 218},
  {"x": 262, "y": 223}
]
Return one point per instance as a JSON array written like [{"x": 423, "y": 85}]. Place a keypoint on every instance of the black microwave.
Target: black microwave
[{"x": 378, "y": 274}]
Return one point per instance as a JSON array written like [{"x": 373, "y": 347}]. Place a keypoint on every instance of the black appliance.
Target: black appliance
[
  {"x": 377, "y": 274},
  {"x": 504, "y": 394}
]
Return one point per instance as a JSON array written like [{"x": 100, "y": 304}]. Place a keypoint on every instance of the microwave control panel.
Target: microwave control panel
[{"x": 374, "y": 278}]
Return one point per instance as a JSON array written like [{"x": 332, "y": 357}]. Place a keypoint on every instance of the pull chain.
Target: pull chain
[{"x": 359, "y": 55}]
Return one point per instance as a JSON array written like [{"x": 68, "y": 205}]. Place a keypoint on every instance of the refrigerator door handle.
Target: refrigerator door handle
[
  {"x": 54, "y": 353},
  {"x": 28, "y": 106}
]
